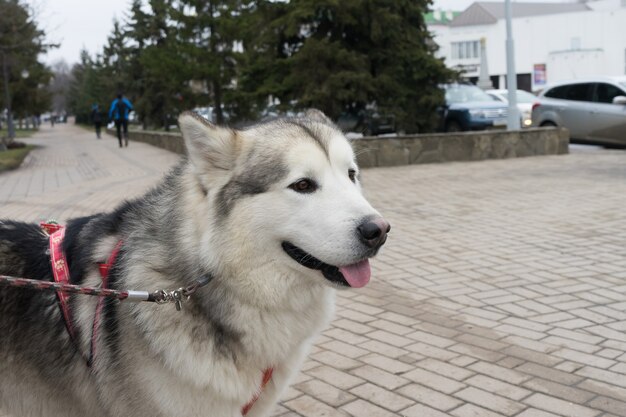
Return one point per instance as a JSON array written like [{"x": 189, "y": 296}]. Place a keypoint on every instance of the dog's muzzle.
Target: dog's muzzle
[{"x": 372, "y": 233}]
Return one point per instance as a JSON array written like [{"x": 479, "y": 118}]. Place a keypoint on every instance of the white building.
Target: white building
[{"x": 553, "y": 41}]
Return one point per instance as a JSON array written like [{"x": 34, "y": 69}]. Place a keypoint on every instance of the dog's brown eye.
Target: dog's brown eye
[
  {"x": 304, "y": 185},
  {"x": 352, "y": 175}
]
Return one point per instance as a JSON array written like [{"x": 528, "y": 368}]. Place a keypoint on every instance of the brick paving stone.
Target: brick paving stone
[
  {"x": 531, "y": 355},
  {"x": 569, "y": 367},
  {"x": 471, "y": 410},
  {"x": 344, "y": 349},
  {"x": 432, "y": 351},
  {"x": 610, "y": 353},
  {"x": 508, "y": 282},
  {"x": 380, "y": 377},
  {"x": 432, "y": 380},
  {"x": 336, "y": 360},
  {"x": 554, "y": 389},
  {"x": 560, "y": 407},
  {"x": 310, "y": 407},
  {"x": 488, "y": 400},
  {"x": 325, "y": 392},
  {"x": 572, "y": 344},
  {"x": 445, "y": 369},
  {"x": 510, "y": 362},
  {"x": 549, "y": 373},
  {"x": 462, "y": 361},
  {"x": 430, "y": 397},
  {"x": 501, "y": 388},
  {"x": 533, "y": 412},
  {"x": 420, "y": 410},
  {"x": 335, "y": 377},
  {"x": 584, "y": 358},
  {"x": 345, "y": 336},
  {"x": 382, "y": 397},
  {"x": 609, "y": 404},
  {"x": 360, "y": 408},
  {"x": 602, "y": 375},
  {"x": 476, "y": 352},
  {"x": 390, "y": 365},
  {"x": 499, "y": 372},
  {"x": 578, "y": 336},
  {"x": 383, "y": 348},
  {"x": 482, "y": 342}
]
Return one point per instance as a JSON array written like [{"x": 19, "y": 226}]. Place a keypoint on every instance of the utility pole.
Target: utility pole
[{"x": 513, "y": 122}]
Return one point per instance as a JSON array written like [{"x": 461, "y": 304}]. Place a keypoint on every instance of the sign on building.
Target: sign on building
[{"x": 539, "y": 74}]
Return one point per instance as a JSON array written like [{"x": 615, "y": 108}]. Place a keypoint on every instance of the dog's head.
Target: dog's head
[{"x": 286, "y": 192}]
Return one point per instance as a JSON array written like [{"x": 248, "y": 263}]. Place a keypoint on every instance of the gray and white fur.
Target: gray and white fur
[{"x": 273, "y": 212}]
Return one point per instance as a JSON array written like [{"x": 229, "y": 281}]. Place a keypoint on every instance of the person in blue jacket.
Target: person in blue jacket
[{"x": 120, "y": 107}]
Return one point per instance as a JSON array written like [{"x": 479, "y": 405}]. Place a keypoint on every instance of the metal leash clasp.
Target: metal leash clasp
[
  {"x": 181, "y": 294},
  {"x": 175, "y": 296},
  {"x": 179, "y": 297}
]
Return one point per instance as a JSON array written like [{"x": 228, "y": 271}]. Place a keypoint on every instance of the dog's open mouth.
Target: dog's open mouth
[{"x": 356, "y": 275}]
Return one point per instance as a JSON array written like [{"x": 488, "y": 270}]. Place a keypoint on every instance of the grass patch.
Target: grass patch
[
  {"x": 12, "y": 158},
  {"x": 19, "y": 133}
]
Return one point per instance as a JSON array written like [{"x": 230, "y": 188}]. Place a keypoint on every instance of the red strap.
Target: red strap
[
  {"x": 104, "y": 272},
  {"x": 60, "y": 271},
  {"x": 267, "y": 376},
  {"x": 105, "y": 268}
]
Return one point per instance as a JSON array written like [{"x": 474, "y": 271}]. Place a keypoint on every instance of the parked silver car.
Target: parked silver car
[{"x": 594, "y": 110}]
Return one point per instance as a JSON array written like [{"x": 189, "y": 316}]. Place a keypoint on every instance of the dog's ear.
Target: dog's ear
[
  {"x": 317, "y": 115},
  {"x": 210, "y": 148}
]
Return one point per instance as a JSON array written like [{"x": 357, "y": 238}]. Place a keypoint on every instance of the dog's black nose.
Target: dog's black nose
[{"x": 373, "y": 232}]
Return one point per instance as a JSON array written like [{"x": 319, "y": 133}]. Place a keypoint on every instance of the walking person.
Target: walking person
[
  {"x": 120, "y": 107},
  {"x": 96, "y": 119}
]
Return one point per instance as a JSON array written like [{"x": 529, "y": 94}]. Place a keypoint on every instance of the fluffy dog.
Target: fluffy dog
[{"x": 272, "y": 212}]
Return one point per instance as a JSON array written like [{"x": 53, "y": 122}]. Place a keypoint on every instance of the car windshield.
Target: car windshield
[
  {"x": 525, "y": 97},
  {"x": 459, "y": 93},
  {"x": 622, "y": 84}
]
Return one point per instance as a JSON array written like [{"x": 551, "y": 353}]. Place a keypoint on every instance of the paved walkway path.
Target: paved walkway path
[{"x": 501, "y": 291}]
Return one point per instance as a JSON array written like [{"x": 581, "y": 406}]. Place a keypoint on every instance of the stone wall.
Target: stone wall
[
  {"x": 462, "y": 146},
  {"x": 426, "y": 148}
]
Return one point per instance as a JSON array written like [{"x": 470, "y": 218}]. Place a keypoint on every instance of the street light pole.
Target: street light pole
[{"x": 513, "y": 122}]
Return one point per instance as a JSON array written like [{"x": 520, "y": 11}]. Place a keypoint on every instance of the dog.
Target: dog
[{"x": 273, "y": 213}]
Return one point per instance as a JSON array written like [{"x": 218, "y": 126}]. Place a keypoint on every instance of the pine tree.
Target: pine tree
[
  {"x": 164, "y": 77},
  {"x": 345, "y": 55},
  {"x": 90, "y": 84},
  {"x": 24, "y": 78},
  {"x": 212, "y": 37}
]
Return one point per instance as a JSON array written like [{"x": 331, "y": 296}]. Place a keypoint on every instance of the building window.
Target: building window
[{"x": 465, "y": 50}]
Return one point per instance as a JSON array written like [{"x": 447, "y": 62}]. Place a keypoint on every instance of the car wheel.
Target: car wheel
[
  {"x": 453, "y": 126},
  {"x": 547, "y": 124}
]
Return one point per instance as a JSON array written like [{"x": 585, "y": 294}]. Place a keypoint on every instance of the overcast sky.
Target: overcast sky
[{"x": 77, "y": 24}]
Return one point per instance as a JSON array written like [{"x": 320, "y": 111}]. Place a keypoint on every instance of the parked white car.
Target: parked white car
[{"x": 525, "y": 102}]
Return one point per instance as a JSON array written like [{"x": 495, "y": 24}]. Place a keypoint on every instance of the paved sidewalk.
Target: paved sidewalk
[{"x": 501, "y": 290}]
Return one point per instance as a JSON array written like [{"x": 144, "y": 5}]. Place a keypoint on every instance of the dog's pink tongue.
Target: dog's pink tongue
[{"x": 358, "y": 274}]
